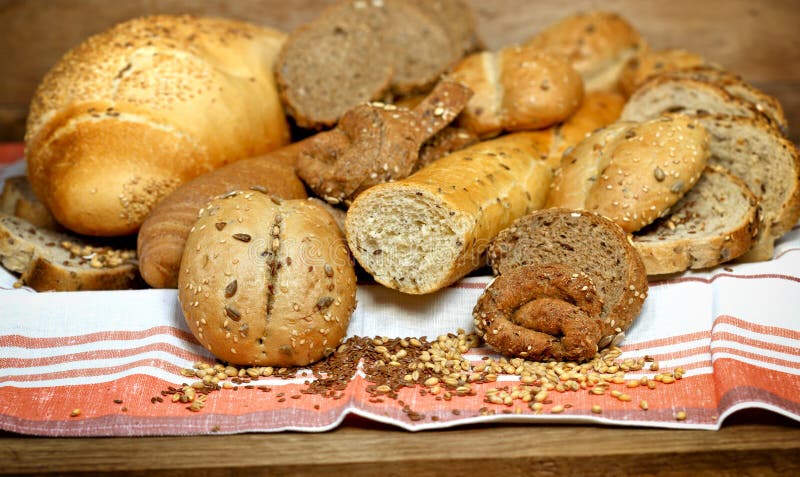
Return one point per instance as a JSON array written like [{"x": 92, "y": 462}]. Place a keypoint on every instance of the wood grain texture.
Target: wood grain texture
[
  {"x": 755, "y": 39},
  {"x": 364, "y": 450}
]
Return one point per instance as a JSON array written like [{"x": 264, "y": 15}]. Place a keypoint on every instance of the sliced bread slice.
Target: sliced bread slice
[
  {"x": 716, "y": 221},
  {"x": 664, "y": 94},
  {"x": 53, "y": 261},
  {"x": 769, "y": 165},
  {"x": 19, "y": 200},
  {"x": 586, "y": 242}
]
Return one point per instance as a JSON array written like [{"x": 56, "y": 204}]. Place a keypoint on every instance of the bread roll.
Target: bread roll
[
  {"x": 651, "y": 63},
  {"x": 632, "y": 172},
  {"x": 516, "y": 89},
  {"x": 132, "y": 113},
  {"x": 265, "y": 282},
  {"x": 598, "y": 44},
  {"x": 424, "y": 232},
  {"x": 163, "y": 234}
]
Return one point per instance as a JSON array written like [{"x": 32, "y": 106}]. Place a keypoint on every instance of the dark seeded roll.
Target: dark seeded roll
[
  {"x": 588, "y": 243},
  {"x": 265, "y": 282}
]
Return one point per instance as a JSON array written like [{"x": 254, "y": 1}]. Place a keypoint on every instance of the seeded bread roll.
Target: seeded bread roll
[
  {"x": 265, "y": 282},
  {"x": 632, "y": 172},
  {"x": 516, "y": 89},
  {"x": 132, "y": 113},
  {"x": 713, "y": 223},
  {"x": 588, "y": 243},
  {"x": 650, "y": 63},
  {"x": 53, "y": 261},
  {"x": 163, "y": 234},
  {"x": 428, "y": 230},
  {"x": 597, "y": 44}
]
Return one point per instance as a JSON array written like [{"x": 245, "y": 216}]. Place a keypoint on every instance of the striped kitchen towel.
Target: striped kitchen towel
[{"x": 123, "y": 362}]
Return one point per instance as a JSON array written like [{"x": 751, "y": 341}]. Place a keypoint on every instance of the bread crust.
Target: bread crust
[
  {"x": 106, "y": 138},
  {"x": 541, "y": 313},
  {"x": 650, "y": 63},
  {"x": 265, "y": 282},
  {"x": 632, "y": 172},
  {"x": 162, "y": 236}
]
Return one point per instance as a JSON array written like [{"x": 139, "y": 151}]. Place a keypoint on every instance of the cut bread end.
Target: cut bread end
[
  {"x": 716, "y": 221},
  {"x": 408, "y": 239}
]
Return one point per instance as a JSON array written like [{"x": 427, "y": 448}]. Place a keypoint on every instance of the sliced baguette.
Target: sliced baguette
[
  {"x": 53, "y": 261},
  {"x": 716, "y": 221}
]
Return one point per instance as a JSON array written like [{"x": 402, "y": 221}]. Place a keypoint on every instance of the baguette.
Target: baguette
[
  {"x": 163, "y": 234},
  {"x": 133, "y": 112},
  {"x": 425, "y": 232}
]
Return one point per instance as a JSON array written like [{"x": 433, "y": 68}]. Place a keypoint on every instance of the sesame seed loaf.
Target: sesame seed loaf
[
  {"x": 133, "y": 112},
  {"x": 597, "y": 44},
  {"x": 632, "y": 172},
  {"x": 666, "y": 94},
  {"x": 516, "y": 89},
  {"x": 716, "y": 221},
  {"x": 162, "y": 237},
  {"x": 265, "y": 282},
  {"x": 360, "y": 50},
  {"x": 53, "y": 261},
  {"x": 650, "y": 63},
  {"x": 19, "y": 200},
  {"x": 769, "y": 164},
  {"x": 586, "y": 242}
]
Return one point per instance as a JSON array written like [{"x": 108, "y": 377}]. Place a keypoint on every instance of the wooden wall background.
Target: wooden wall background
[{"x": 758, "y": 39}]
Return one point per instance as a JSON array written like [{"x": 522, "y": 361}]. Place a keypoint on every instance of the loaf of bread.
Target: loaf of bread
[
  {"x": 585, "y": 242},
  {"x": 425, "y": 232},
  {"x": 47, "y": 260},
  {"x": 651, "y": 63},
  {"x": 18, "y": 199},
  {"x": 362, "y": 50},
  {"x": 632, "y": 172},
  {"x": 163, "y": 234},
  {"x": 598, "y": 44},
  {"x": 265, "y": 282},
  {"x": 516, "y": 89},
  {"x": 716, "y": 221},
  {"x": 131, "y": 113}
]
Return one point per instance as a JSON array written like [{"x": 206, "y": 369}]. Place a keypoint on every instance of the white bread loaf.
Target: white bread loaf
[
  {"x": 632, "y": 172},
  {"x": 598, "y": 44},
  {"x": 133, "y": 112},
  {"x": 265, "y": 282},
  {"x": 425, "y": 232},
  {"x": 516, "y": 89}
]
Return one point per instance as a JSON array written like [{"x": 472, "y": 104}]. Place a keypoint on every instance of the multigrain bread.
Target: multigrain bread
[
  {"x": 598, "y": 44},
  {"x": 428, "y": 230},
  {"x": 53, "y": 261},
  {"x": 587, "y": 243},
  {"x": 162, "y": 237},
  {"x": 632, "y": 172},
  {"x": 19, "y": 200},
  {"x": 131, "y": 113},
  {"x": 650, "y": 63},
  {"x": 674, "y": 93},
  {"x": 516, "y": 89},
  {"x": 359, "y": 50},
  {"x": 716, "y": 221},
  {"x": 265, "y": 282},
  {"x": 768, "y": 163}
]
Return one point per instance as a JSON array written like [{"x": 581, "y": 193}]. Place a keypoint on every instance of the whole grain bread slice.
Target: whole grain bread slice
[
  {"x": 716, "y": 221},
  {"x": 768, "y": 163},
  {"x": 52, "y": 261},
  {"x": 586, "y": 242},
  {"x": 19, "y": 200}
]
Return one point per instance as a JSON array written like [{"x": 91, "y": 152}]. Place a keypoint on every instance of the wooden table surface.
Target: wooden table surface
[{"x": 759, "y": 40}]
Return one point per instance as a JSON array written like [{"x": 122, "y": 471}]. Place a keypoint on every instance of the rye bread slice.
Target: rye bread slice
[
  {"x": 586, "y": 242},
  {"x": 51, "y": 261},
  {"x": 458, "y": 20},
  {"x": 768, "y": 163},
  {"x": 716, "y": 221}
]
